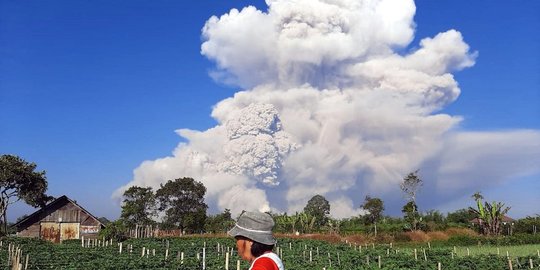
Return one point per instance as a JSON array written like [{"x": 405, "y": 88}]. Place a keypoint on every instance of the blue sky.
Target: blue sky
[{"x": 90, "y": 89}]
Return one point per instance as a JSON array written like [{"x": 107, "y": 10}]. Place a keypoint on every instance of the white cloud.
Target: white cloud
[
  {"x": 478, "y": 160},
  {"x": 332, "y": 108}
]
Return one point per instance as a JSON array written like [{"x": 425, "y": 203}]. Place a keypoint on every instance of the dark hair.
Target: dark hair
[{"x": 258, "y": 249}]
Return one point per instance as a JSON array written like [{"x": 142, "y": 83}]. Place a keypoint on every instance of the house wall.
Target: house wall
[
  {"x": 31, "y": 231},
  {"x": 73, "y": 218}
]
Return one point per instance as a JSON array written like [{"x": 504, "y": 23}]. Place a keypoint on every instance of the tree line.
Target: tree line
[{"x": 179, "y": 204}]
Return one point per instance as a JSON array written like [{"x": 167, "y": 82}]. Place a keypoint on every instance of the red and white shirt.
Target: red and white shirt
[{"x": 267, "y": 261}]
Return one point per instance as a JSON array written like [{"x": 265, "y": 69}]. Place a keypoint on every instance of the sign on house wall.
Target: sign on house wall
[
  {"x": 69, "y": 231},
  {"x": 89, "y": 229},
  {"x": 50, "y": 231}
]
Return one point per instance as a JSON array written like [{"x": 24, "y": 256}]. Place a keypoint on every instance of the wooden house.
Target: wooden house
[{"x": 60, "y": 220}]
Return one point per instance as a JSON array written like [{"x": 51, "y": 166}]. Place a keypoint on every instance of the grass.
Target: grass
[{"x": 512, "y": 251}]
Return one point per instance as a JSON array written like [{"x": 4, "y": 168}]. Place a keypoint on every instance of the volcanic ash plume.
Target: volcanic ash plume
[
  {"x": 256, "y": 144},
  {"x": 332, "y": 106}
]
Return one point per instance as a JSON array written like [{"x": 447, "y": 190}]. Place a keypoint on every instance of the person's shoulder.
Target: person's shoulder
[{"x": 264, "y": 263}]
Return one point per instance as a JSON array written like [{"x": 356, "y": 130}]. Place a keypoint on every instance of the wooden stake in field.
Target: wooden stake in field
[
  {"x": 415, "y": 255},
  {"x": 439, "y": 266},
  {"x": 329, "y": 261},
  {"x": 27, "y": 257},
  {"x": 510, "y": 266},
  {"x": 227, "y": 261},
  {"x": 425, "y": 256},
  {"x": 380, "y": 261},
  {"x": 204, "y": 258},
  {"x": 531, "y": 265},
  {"x": 237, "y": 264}
]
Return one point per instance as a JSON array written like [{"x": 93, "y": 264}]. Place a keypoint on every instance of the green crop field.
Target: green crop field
[
  {"x": 512, "y": 251},
  {"x": 192, "y": 253}
]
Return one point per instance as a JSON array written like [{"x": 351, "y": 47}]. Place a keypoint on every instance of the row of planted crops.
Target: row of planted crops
[{"x": 219, "y": 253}]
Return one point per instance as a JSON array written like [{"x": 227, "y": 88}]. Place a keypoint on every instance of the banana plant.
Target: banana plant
[
  {"x": 305, "y": 222},
  {"x": 489, "y": 215}
]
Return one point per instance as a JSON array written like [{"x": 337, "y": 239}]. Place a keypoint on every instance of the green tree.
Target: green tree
[
  {"x": 220, "y": 222},
  {"x": 410, "y": 186},
  {"x": 411, "y": 215},
  {"x": 433, "y": 220},
  {"x": 375, "y": 208},
  {"x": 183, "y": 203},
  {"x": 19, "y": 181},
  {"x": 319, "y": 208},
  {"x": 433, "y": 216},
  {"x": 139, "y": 206},
  {"x": 460, "y": 216},
  {"x": 528, "y": 224},
  {"x": 114, "y": 230}
]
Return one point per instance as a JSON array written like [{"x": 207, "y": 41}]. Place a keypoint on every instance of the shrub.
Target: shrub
[
  {"x": 463, "y": 240},
  {"x": 418, "y": 236},
  {"x": 460, "y": 231},
  {"x": 384, "y": 238},
  {"x": 402, "y": 237},
  {"x": 358, "y": 239},
  {"x": 434, "y": 226},
  {"x": 437, "y": 236}
]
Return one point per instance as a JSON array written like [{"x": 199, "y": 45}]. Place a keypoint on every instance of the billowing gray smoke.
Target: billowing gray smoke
[
  {"x": 256, "y": 144},
  {"x": 330, "y": 108}
]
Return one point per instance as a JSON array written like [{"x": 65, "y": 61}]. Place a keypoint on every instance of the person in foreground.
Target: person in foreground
[{"x": 254, "y": 241}]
